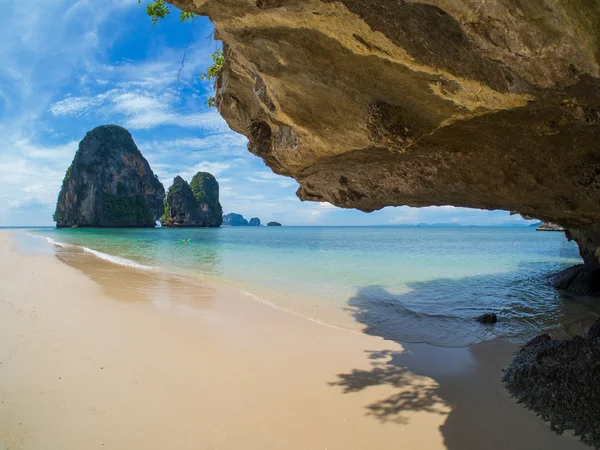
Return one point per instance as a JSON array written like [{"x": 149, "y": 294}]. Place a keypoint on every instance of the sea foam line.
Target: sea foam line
[
  {"x": 273, "y": 305},
  {"x": 105, "y": 256},
  {"x": 49, "y": 239},
  {"x": 117, "y": 259}
]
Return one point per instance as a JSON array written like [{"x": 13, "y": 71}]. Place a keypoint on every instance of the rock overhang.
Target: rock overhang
[{"x": 367, "y": 104}]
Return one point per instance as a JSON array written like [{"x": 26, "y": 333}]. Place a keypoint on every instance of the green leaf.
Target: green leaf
[{"x": 215, "y": 69}]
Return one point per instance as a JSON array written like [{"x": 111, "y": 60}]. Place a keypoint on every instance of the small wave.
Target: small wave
[
  {"x": 117, "y": 259},
  {"x": 260, "y": 299},
  {"x": 49, "y": 239},
  {"x": 106, "y": 257}
]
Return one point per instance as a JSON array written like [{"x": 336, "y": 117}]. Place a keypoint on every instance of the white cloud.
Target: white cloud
[
  {"x": 215, "y": 168},
  {"x": 140, "y": 109},
  {"x": 327, "y": 205},
  {"x": 75, "y": 106},
  {"x": 315, "y": 213},
  {"x": 31, "y": 175},
  {"x": 408, "y": 216},
  {"x": 270, "y": 177}
]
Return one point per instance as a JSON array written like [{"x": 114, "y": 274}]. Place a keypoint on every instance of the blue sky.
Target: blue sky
[{"x": 69, "y": 66}]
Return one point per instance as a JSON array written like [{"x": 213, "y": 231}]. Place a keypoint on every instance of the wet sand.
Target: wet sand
[{"x": 99, "y": 356}]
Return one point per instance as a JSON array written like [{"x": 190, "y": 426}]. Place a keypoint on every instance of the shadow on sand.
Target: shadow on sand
[
  {"x": 414, "y": 393},
  {"x": 462, "y": 383}
]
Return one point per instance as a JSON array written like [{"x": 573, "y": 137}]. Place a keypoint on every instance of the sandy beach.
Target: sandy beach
[{"x": 98, "y": 356}]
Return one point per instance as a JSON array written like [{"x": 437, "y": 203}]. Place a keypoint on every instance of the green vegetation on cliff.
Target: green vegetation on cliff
[
  {"x": 206, "y": 191},
  {"x": 213, "y": 72},
  {"x": 122, "y": 210},
  {"x": 193, "y": 205},
  {"x": 165, "y": 218},
  {"x": 159, "y": 9}
]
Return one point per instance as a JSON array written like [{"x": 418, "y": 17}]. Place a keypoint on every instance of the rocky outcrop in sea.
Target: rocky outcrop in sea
[
  {"x": 234, "y": 220},
  {"x": 273, "y": 224},
  {"x": 550, "y": 227},
  {"x": 254, "y": 222},
  {"x": 195, "y": 204},
  {"x": 109, "y": 184}
]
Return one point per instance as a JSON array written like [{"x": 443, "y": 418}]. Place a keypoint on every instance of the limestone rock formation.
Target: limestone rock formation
[
  {"x": 109, "y": 184},
  {"x": 550, "y": 227},
  {"x": 254, "y": 222},
  {"x": 273, "y": 224},
  {"x": 206, "y": 190},
  {"x": 492, "y": 105},
  {"x": 235, "y": 220},
  {"x": 195, "y": 204},
  {"x": 581, "y": 279},
  {"x": 560, "y": 381}
]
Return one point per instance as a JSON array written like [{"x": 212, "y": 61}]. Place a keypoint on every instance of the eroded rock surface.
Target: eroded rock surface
[
  {"x": 560, "y": 381},
  {"x": 581, "y": 279},
  {"x": 109, "y": 184}
]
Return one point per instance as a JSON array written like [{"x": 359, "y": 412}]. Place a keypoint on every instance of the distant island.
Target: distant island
[
  {"x": 549, "y": 227},
  {"x": 193, "y": 205},
  {"x": 109, "y": 184},
  {"x": 237, "y": 220}
]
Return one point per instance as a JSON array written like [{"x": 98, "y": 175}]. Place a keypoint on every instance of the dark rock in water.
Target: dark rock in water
[
  {"x": 581, "y": 279},
  {"x": 593, "y": 332},
  {"x": 273, "y": 224},
  {"x": 560, "y": 381},
  {"x": 254, "y": 222},
  {"x": 235, "y": 220},
  {"x": 487, "y": 318},
  {"x": 547, "y": 226},
  {"x": 109, "y": 184},
  {"x": 193, "y": 205}
]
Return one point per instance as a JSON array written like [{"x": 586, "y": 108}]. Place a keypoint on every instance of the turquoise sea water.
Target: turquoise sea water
[{"x": 412, "y": 284}]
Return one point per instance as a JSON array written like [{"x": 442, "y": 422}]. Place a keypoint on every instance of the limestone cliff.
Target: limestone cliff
[
  {"x": 254, "y": 222},
  {"x": 195, "y": 204},
  {"x": 109, "y": 184},
  {"x": 484, "y": 104}
]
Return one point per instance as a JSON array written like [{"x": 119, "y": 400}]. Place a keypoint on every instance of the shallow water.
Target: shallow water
[{"x": 411, "y": 284}]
